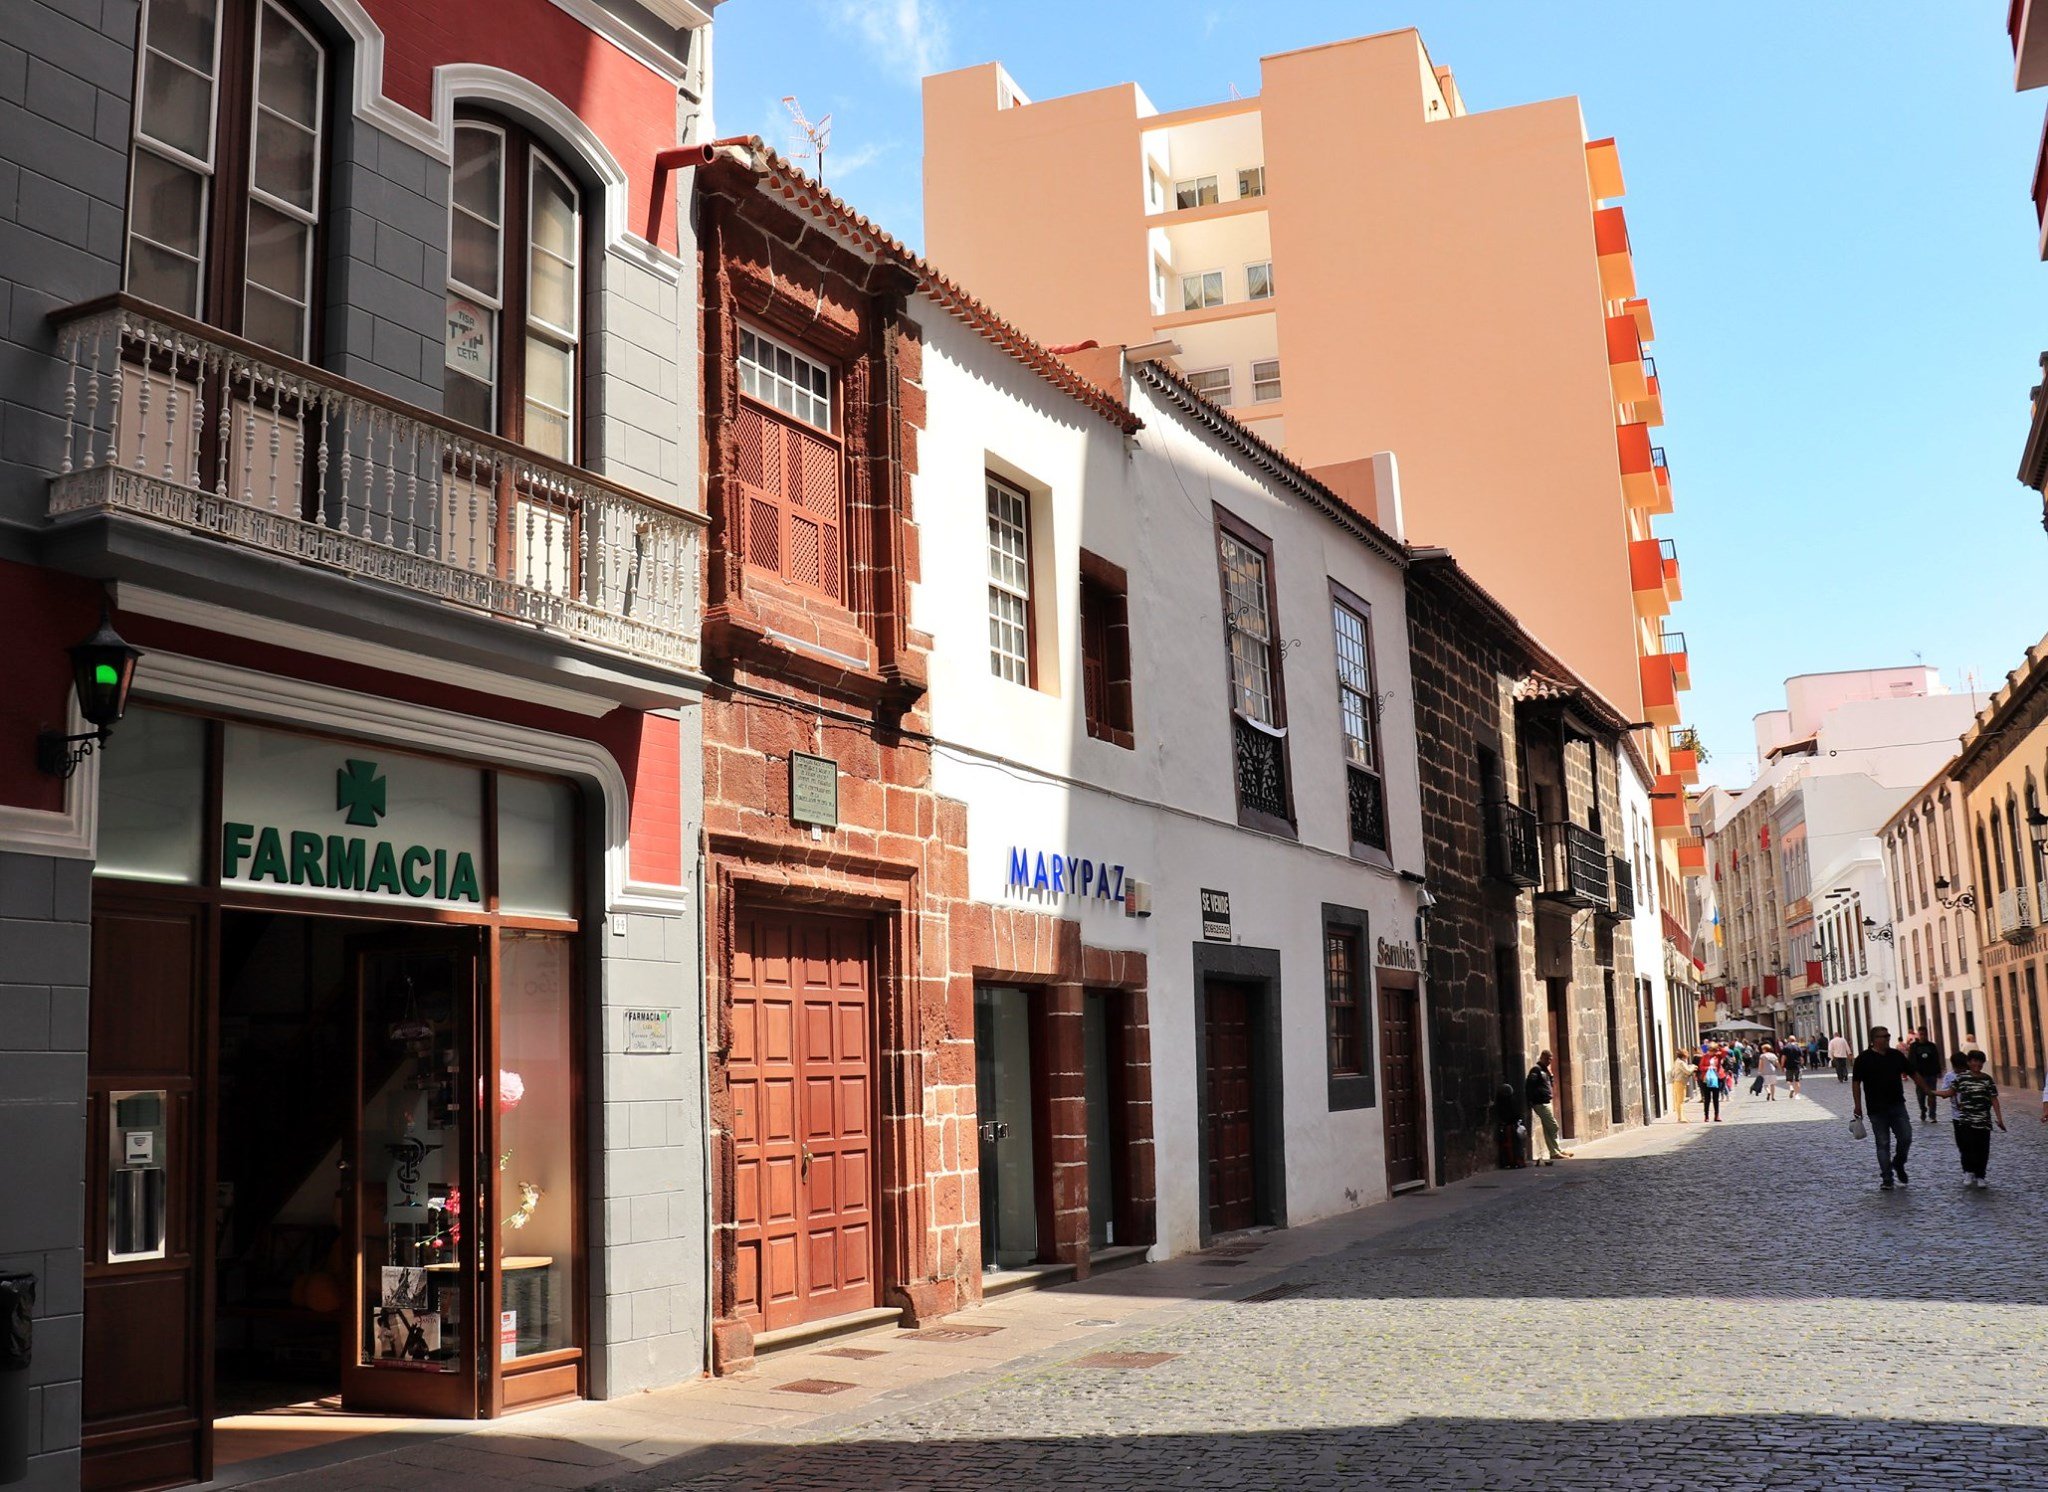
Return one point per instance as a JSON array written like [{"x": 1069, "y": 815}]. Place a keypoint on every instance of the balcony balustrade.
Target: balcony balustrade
[
  {"x": 1624, "y": 905},
  {"x": 2015, "y": 915},
  {"x": 1513, "y": 853},
  {"x": 1575, "y": 866},
  {"x": 1368, "y": 808},
  {"x": 180, "y": 424},
  {"x": 1261, "y": 769}
]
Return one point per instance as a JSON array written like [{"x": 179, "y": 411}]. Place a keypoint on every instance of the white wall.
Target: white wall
[
  {"x": 1166, "y": 811},
  {"x": 1640, "y": 845}
]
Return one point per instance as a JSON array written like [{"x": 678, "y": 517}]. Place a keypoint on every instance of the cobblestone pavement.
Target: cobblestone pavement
[{"x": 1735, "y": 1305}]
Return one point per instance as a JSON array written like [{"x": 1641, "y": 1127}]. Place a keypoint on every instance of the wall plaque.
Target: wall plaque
[
  {"x": 649, "y": 1032},
  {"x": 813, "y": 790}
]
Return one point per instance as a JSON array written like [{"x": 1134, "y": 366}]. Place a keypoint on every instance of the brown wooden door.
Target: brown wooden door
[
  {"x": 147, "y": 1392},
  {"x": 801, "y": 1074},
  {"x": 1401, "y": 1082},
  {"x": 1561, "y": 1076},
  {"x": 1233, "y": 1178}
]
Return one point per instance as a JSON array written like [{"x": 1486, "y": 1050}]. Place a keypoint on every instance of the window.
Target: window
[
  {"x": 1947, "y": 965},
  {"x": 1356, "y": 717},
  {"x": 1251, "y": 182},
  {"x": 1155, "y": 191},
  {"x": 1919, "y": 969},
  {"x": 1258, "y": 725},
  {"x": 515, "y": 249},
  {"x": 790, "y": 519},
  {"x": 1009, "y": 582},
  {"x": 1347, "y": 1007},
  {"x": 228, "y": 155},
  {"x": 1212, "y": 384},
  {"x": 1106, "y": 651},
  {"x": 1198, "y": 292},
  {"x": 1158, "y": 286},
  {"x": 1266, "y": 380},
  {"x": 1198, "y": 192},
  {"x": 1258, "y": 281}
]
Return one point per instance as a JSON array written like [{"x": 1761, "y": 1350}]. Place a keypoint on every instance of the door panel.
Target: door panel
[
  {"x": 1232, "y": 1175},
  {"x": 1401, "y": 1083},
  {"x": 802, "y": 1091},
  {"x": 147, "y": 1419}
]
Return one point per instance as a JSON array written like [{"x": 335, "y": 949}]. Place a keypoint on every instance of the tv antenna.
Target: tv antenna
[{"x": 816, "y": 136}]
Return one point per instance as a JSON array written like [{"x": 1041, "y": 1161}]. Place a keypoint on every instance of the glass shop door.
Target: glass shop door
[{"x": 410, "y": 1342}]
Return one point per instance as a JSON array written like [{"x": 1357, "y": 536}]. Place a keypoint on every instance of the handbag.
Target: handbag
[
  {"x": 1858, "y": 1128},
  {"x": 1758, "y": 1085}
]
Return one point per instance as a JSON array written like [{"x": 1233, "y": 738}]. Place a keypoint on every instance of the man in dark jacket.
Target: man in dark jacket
[
  {"x": 1925, "y": 1058},
  {"x": 1538, "y": 1089}
]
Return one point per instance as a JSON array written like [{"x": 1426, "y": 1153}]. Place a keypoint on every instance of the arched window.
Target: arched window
[
  {"x": 1947, "y": 968},
  {"x": 1996, "y": 865},
  {"x": 515, "y": 289},
  {"x": 225, "y": 189}
]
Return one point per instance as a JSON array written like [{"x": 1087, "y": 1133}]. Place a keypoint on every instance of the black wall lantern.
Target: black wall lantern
[{"x": 102, "y": 671}]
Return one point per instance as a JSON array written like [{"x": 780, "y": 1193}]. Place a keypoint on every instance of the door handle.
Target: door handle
[{"x": 806, "y": 1160}]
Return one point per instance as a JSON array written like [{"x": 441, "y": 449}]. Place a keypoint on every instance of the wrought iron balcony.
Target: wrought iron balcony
[
  {"x": 1261, "y": 769},
  {"x": 2015, "y": 916},
  {"x": 1368, "y": 807},
  {"x": 177, "y": 423},
  {"x": 1624, "y": 905},
  {"x": 1512, "y": 851},
  {"x": 1575, "y": 866}
]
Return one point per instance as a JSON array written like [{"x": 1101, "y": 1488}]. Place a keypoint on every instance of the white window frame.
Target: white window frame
[
  {"x": 1194, "y": 377},
  {"x": 1196, "y": 184},
  {"x": 1009, "y": 602},
  {"x": 1360, "y": 750},
  {"x": 1201, "y": 278},
  {"x": 1266, "y": 387},
  {"x": 311, "y": 219},
  {"x": 495, "y": 304},
  {"x": 1249, "y": 292},
  {"x": 1256, "y": 700},
  {"x": 567, "y": 338},
  {"x": 1255, "y": 174},
  {"x": 764, "y": 381},
  {"x": 140, "y": 138}
]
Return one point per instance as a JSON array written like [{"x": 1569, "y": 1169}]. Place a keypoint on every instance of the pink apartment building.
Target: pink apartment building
[{"x": 1351, "y": 262}]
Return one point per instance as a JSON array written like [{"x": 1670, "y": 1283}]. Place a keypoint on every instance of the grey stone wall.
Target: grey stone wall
[
  {"x": 45, "y": 967},
  {"x": 641, "y": 417},
  {"x": 387, "y": 263}
]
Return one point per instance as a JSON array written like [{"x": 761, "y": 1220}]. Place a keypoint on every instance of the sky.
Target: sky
[{"x": 1829, "y": 210}]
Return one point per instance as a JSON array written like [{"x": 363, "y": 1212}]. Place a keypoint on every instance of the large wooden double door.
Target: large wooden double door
[
  {"x": 801, "y": 1074},
  {"x": 1230, "y": 1119}
]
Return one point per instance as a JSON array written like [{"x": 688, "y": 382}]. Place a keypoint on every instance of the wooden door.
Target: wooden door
[
  {"x": 1401, "y": 1082},
  {"x": 800, "y": 1070},
  {"x": 148, "y": 1385},
  {"x": 1233, "y": 1177},
  {"x": 1561, "y": 1077}
]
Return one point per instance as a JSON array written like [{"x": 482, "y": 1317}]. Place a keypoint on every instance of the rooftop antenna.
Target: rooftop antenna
[{"x": 816, "y": 136}]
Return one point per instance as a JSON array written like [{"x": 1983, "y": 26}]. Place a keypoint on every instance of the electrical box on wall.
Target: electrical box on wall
[{"x": 1137, "y": 898}]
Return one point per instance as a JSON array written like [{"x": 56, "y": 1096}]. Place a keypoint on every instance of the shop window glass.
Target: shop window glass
[
  {"x": 536, "y": 846},
  {"x": 152, "y": 798},
  {"x": 536, "y": 1180}
]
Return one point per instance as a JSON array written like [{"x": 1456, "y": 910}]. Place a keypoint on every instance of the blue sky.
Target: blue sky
[{"x": 1829, "y": 210}]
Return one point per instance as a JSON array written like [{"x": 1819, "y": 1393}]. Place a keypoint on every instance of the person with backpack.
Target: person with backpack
[{"x": 1713, "y": 1083}]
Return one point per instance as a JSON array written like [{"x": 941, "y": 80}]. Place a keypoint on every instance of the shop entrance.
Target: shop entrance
[
  {"x": 1401, "y": 1074},
  {"x": 1230, "y": 1121},
  {"x": 1005, "y": 1102}
]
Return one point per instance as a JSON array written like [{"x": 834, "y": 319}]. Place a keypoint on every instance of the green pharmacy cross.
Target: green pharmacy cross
[{"x": 359, "y": 788}]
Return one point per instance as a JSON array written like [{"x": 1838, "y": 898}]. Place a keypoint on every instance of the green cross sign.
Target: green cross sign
[{"x": 359, "y": 788}]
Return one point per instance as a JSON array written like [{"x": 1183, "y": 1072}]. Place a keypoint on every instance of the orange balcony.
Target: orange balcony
[
  {"x": 1685, "y": 757},
  {"x": 1617, "y": 265},
  {"x": 1673, "y": 591},
  {"x": 1692, "y": 856},
  {"x": 1663, "y": 470},
  {"x": 1603, "y": 168},
  {"x": 1670, "y": 813},
  {"x": 2026, "y": 22},
  {"x": 1649, "y": 405},
  {"x": 1625, "y": 360},
  {"x": 2040, "y": 188},
  {"x": 1646, "y": 578},
  {"x": 1672, "y": 646},
  {"x": 1638, "y": 465},
  {"x": 1640, "y": 309},
  {"x": 1660, "y": 690}
]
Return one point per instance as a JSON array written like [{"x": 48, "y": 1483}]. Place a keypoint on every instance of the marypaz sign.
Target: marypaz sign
[{"x": 313, "y": 818}]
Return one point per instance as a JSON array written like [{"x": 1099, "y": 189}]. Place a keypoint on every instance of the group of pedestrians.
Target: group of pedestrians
[
  {"x": 1878, "y": 1088},
  {"x": 1719, "y": 1069}
]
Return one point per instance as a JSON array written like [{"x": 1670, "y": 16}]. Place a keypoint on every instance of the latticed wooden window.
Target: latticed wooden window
[
  {"x": 792, "y": 496},
  {"x": 1251, "y": 630},
  {"x": 1340, "y": 999}
]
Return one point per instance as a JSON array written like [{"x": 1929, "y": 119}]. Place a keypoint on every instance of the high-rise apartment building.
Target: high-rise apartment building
[{"x": 1453, "y": 286}]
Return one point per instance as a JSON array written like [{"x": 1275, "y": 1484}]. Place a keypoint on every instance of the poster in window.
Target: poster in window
[{"x": 469, "y": 339}]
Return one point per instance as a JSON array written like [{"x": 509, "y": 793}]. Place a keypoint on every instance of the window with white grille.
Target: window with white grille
[
  {"x": 786, "y": 379},
  {"x": 1354, "y": 687},
  {"x": 1251, "y": 630},
  {"x": 1009, "y": 582}
]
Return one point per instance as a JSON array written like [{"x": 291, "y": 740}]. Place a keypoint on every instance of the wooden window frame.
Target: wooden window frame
[
  {"x": 520, "y": 153},
  {"x": 1228, "y": 524},
  {"x": 779, "y": 419},
  {"x": 223, "y": 265},
  {"x": 992, "y": 484},
  {"x": 1115, "y": 720},
  {"x": 1349, "y": 1089},
  {"x": 1346, "y": 600}
]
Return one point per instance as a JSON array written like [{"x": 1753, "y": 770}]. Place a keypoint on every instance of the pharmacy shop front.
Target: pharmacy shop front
[{"x": 335, "y": 1087}]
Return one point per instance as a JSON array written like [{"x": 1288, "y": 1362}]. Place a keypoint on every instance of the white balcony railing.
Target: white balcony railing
[
  {"x": 2015, "y": 916},
  {"x": 178, "y": 423}
]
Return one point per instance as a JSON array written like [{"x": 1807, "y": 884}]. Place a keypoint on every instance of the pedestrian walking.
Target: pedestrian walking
[
  {"x": 1878, "y": 1086},
  {"x": 1770, "y": 1070},
  {"x": 1926, "y": 1059},
  {"x": 1539, "y": 1088},
  {"x": 1976, "y": 1110},
  {"x": 1839, "y": 1054},
  {"x": 1794, "y": 1059},
  {"x": 1681, "y": 1076},
  {"x": 1713, "y": 1076}
]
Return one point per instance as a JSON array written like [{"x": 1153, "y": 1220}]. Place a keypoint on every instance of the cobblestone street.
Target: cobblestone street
[{"x": 1740, "y": 1296}]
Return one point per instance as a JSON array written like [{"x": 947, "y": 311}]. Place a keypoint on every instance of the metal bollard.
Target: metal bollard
[{"x": 17, "y": 1344}]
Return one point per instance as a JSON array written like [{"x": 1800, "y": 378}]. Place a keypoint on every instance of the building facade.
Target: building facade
[
  {"x": 347, "y": 380},
  {"x": 2001, "y": 770},
  {"x": 1932, "y": 883},
  {"x": 1531, "y": 934}
]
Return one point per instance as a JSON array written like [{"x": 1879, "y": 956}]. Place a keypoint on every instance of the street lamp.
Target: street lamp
[
  {"x": 1968, "y": 899},
  {"x": 2037, "y": 828},
  {"x": 102, "y": 671}
]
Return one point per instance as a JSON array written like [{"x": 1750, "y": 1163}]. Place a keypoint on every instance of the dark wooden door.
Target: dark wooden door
[
  {"x": 801, "y": 1074},
  {"x": 1401, "y": 1081},
  {"x": 147, "y": 1391},
  {"x": 1561, "y": 1076},
  {"x": 1233, "y": 1177}
]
